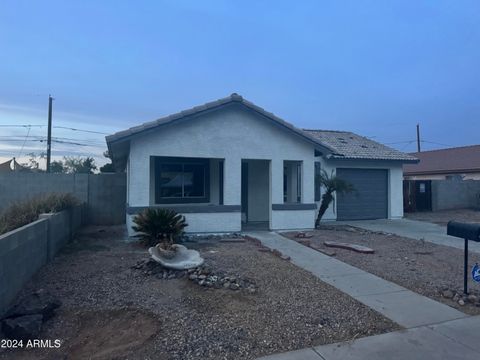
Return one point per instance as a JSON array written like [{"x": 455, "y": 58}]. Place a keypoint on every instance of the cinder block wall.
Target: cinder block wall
[
  {"x": 25, "y": 250},
  {"x": 454, "y": 194},
  {"x": 103, "y": 194}
]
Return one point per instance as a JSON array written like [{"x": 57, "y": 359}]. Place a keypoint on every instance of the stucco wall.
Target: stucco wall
[
  {"x": 231, "y": 134},
  {"x": 395, "y": 179}
]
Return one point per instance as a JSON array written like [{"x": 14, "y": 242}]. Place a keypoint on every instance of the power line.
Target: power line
[
  {"x": 23, "y": 145},
  {"x": 56, "y": 127}
]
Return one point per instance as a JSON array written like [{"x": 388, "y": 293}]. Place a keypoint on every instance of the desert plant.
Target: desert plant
[
  {"x": 162, "y": 226},
  {"x": 25, "y": 212},
  {"x": 332, "y": 184}
]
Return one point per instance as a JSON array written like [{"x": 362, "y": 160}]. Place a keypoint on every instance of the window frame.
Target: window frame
[{"x": 159, "y": 161}]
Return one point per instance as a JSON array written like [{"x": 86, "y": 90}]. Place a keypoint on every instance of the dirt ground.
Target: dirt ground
[
  {"x": 113, "y": 311},
  {"x": 444, "y": 216},
  {"x": 423, "y": 267}
]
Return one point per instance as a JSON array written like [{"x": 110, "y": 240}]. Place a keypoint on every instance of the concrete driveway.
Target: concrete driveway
[{"x": 412, "y": 229}]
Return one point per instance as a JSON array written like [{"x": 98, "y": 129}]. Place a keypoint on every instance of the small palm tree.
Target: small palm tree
[
  {"x": 332, "y": 184},
  {"x": 159, "y": 226}
]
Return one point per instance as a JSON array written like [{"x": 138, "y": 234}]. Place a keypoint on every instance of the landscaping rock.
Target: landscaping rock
[
  {"x": 23, "y": 327},
  {"x": 447, "y": 294},
  {"x": 347, "y": 246},
  {"x": 39, "y": 302}
]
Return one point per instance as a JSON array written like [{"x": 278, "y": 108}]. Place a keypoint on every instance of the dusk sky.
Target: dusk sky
[{"x": 376, "y": 68}]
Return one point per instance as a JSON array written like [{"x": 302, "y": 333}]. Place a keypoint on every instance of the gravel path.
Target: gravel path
[
  {"x": 115, "y": 311},
  {"x": 444, "y": 216},
  {"x": 425, "y": 268}
]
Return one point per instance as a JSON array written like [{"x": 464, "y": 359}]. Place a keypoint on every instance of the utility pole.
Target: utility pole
[
  {"x": 49, "y": 136},
  {"x": 418, "y": 138}
]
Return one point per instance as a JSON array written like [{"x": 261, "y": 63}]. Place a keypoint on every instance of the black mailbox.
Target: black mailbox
[
  {"x": 464, "y": 230},
  {"x": 467, "y": 232}
]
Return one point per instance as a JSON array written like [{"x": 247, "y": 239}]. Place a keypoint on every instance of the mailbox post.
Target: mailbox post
[{"x": 469, "y": 232}]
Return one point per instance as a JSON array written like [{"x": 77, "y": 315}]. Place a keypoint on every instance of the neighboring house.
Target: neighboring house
[
  {"x": 462, "y": 163},
  {"x": 229, "y": 165},
  {"x": 421, "y": 193},
  {"x": 12, "y": 166}
]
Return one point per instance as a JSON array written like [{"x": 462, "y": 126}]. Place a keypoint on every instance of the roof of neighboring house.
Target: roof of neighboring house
[
  {"x": 463, "y": 159},
  {"x": 328, "y": 142},
  {"x": 12, "y": 166},
  {"x": 348, "y": 145}
]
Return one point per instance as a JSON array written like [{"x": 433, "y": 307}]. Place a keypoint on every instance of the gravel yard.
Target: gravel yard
[
  {"x": 113, "y": 310},
  {"x": 423, "y": 267},
  {"x": 444, "y": 216}
]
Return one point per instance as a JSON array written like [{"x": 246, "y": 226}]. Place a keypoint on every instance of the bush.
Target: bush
[
  {"x": 159, "y": 226},
  {"x": 25, "y": 212}
]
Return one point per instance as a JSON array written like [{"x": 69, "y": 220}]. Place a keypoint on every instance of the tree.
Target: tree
[
  {"x": 332, "y": 184},
  {"x": 78, "y": 165},
  {"x": 57, "y": 166},
  {"x": 33, "y": 162},
  {"x": 107, "y": 168}
]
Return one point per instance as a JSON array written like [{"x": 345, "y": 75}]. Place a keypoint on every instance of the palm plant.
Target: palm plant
[
  {"x": 332, "y": 184},
  {"x": 159, "y": 226}
]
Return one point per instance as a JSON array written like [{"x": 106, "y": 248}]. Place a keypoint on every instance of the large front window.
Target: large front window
[{"x": 181, "y": 180}]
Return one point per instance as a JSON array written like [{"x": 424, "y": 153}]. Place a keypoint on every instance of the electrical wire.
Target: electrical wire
[{"x": 24, "y": 141}]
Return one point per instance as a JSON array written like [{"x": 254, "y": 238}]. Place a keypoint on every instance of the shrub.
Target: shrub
[
  {"x": 159, "y": 226},
  {"x": 25, "y": 212}
]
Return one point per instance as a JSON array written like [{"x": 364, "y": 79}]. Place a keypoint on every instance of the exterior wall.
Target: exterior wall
[
  {"x": 205, "y": 222},
  {"x": 293, "y": 219},
  {"x": 231, "y": 134},
  {"x": 395, "y": 179},
  {"x": 25, "y": 250},
  {"x": 103, "y": 194},
  {"x": 451, "y": 194},
  {"x": 464, "y": 176}
]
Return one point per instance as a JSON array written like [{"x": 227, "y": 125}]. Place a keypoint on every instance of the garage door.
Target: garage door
[{"x": 370, "y": 198}]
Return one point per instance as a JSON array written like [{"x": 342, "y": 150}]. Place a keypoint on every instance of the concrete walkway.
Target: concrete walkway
[
  {"x": 413, "y": 229},
  {"x": 456, "y": 339},
  {"x": 434, "y": 330},
  {"x": 403, "y": 306}
]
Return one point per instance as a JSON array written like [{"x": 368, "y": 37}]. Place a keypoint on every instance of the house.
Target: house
[
  {"x": 229, "y": 165},
  {"x": 461, "y": 163},
  {"x": 422, "y": 190}
]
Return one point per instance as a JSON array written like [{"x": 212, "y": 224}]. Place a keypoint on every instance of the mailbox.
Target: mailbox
[
  {"x": 464, "y": 230},
  {"x": 468, "y": 232}
]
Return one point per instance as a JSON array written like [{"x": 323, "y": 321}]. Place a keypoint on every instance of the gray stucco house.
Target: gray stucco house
[{"x": 229, "y": 164}]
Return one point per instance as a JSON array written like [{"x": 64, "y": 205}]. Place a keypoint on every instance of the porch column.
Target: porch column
[
  {"x": 277, "y": 181},
  {"x": 308, "y": 182},
  {"x": 232, "y": 180}
]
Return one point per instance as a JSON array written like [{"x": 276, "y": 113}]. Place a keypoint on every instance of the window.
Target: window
[
  {"x": 292, "y": 181},
  {"x": 181, "y": 180},
  {"x": 317, "y": 181}
]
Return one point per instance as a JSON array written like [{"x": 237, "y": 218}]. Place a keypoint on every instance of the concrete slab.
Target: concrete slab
[
  {"x": 362, "y": 284},
  {"x": 410, "y": 309},
  {"x": 464, "y": 331},
  {"x": 412, "y": 229},
  {"x": 304, "y": 354},
  {"x": 413, "y": 344}
]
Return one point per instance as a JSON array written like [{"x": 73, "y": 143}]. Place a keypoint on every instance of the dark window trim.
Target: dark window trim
[
  {"x": 187, "y": 209},
  {"x": 318, "y": 169},
  {"x": 294, "y": 206},
  {"x": 159, "y": 160}
]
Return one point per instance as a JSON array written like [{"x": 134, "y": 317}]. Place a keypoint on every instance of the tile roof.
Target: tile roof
[
  {"x": 348, "y": 145},
  {"x": 233, "y": 98},
  {"x": 336, "y": 144},
  {"x": 453, "y": 160}
]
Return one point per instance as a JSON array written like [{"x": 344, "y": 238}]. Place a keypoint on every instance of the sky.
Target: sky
[{"x": 376, "y": 68}]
